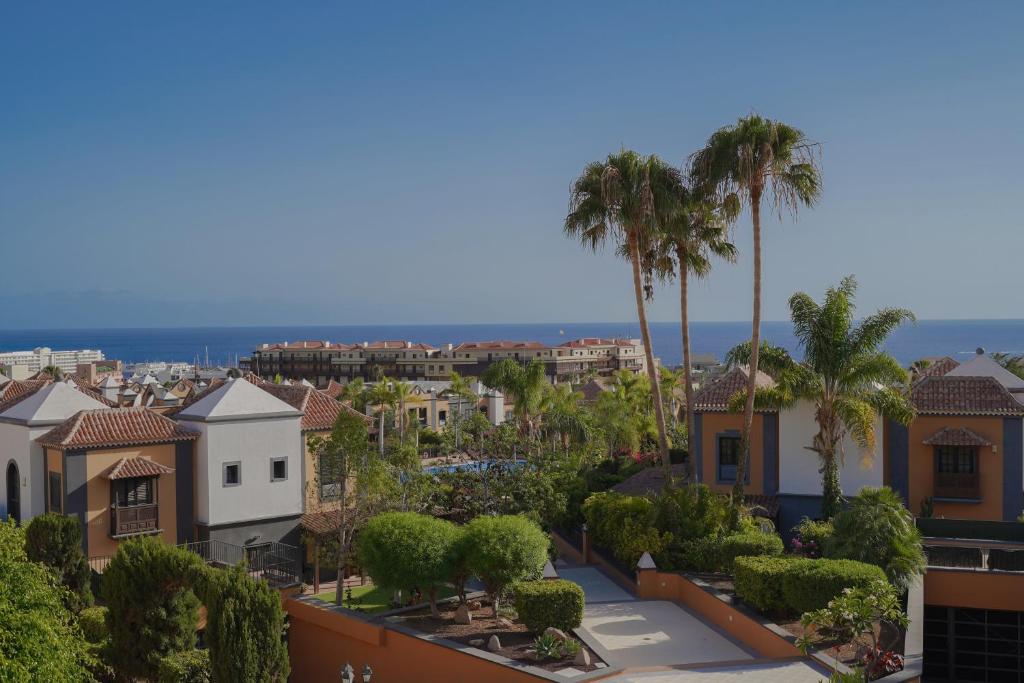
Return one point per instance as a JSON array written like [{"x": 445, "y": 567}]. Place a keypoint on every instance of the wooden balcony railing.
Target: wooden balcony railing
[
  {"x": 137, "y": 519},
  {"x": 955, "y": 485}
]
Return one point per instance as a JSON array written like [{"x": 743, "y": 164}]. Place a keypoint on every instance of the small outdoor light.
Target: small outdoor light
[
  {"x": 348, "y": 674},
  {"x": 367, "y": 673}
]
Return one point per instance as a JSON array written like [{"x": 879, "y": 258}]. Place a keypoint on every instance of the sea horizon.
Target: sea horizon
[{"x": 222, "y": 344}]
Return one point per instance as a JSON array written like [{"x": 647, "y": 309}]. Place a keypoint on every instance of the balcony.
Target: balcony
[
  {"x": 957, "y": 485},
  {"x": 136, "y": 519}
]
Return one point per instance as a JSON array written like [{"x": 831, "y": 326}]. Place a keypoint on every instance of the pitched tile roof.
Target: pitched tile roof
[
  {"x": 500, "y": 345},
  {"x": 715, "y": 396},
  {"x": 106, "y": 428},
  {"x": 16, "y": 390},
  {"x": 319, "y": 411},
  {"x": 126, "y": 468},
  {"x": 596, "y": 341},
  {"x": 956, "y": 436},
  {"x": 320, "y": 523},
  {"x": 949, "y": 395},
  {"x": 333, "y": 389},
  {"x": 936, "y": 368}
]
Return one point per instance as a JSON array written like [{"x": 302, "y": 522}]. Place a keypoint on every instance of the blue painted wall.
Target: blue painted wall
[{"x": 1013, "y": 468}]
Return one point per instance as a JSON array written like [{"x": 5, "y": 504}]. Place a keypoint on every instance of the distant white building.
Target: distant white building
[
  {"x": 249, "y": 465},
  {"x": 40, "y": 357}
]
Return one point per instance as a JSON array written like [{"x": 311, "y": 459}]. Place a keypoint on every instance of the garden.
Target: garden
[{"x": 839, "y": 587}]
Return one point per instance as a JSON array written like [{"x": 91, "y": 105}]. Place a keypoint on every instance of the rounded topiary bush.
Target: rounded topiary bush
[
  {"x": 93, "y": 621},
  {"x": 187, "y": 666},
  {"x": 503, "y": 550},
  {"x": 545, "y": 603},
  {"x": 752, "y": 544},
  {"x": 759, "y": 581},
  {"x": 811, "y": 584}
]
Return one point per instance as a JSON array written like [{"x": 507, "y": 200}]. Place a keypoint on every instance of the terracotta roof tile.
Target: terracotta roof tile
[
  {"x": 107, "y": 428},
  {"x": 596, "y": 341},
  {"x": 500, "y": 345},
  {"x": 715, "y": 396},
  {"x": 320, "y": 523},
  {"x": 16, "y": 391},
  {"x": 963, "y": 396},
  {"x": 319, "y": 411},
  {"x": 333, "y": 389},
  {"x": 936, "y": 368},
  {"x": 126, "y": 468},
  {"x": 956, "y": 436}
]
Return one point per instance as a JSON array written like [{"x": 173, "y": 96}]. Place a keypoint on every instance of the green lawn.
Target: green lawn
[{"x": 372, "y": 599}]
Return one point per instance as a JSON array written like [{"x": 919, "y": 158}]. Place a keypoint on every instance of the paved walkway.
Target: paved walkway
[{"x": 769, "y": 672}]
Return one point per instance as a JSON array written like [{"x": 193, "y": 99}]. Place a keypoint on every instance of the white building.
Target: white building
[
  {"x": 249, "y": 465},
  {"x": 21, "y": 422},
  {"x": 40, "y": 357}
]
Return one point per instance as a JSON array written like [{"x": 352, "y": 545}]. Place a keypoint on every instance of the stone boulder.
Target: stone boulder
[
  {"x": 555, "y": 633},
  {"x": 494, "y": 644},
  {"x": 463, "y": 615}
]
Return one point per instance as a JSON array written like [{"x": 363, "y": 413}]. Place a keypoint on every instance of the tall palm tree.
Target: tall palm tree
[
  {"x": 401, "y": 391},
  {"x": 624, "y": 412},
  {"x": 626, "y": 199},
  {"x": 753, "y": 157},
  {"x": 55, "y": 372},
  {"x": 355, "y": 393},
  {"x": 694, "y": 234},
  {"x": 844, "y": 372},
  {"x": 460, "y": 388},
  {"x": 381, "y": 395},
  {"x": 564, "y": 418},
  {"x": 524, "y": 384}
]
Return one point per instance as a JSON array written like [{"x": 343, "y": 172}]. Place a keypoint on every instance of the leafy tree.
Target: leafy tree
[
  {"x": 189, "y": 666},
  {"x": 153, "y": 610},
  {"x": 524, "y": 385},
  {"x": 346, "y": 462},
  {"x": 1013, "y": 363},
  {"x": 459, "y": 388},
  {"x": 402, "y": 550},
  {"x": 354, "y": 392},
  {"x": 245, "y": 628},
  {"x": 39, "y": 640},
  {"x": 624, "y": 411},
  {"x": 55, "y": 372},
  {"x": 876, "y": 528},
  {"x": 627, "y": 199},
  {"x": 694, "y": 233},
  {"x": 56, "y": 541},
  {"x": 504, "y": 550},
  {"x": 743, "y": 162},
  {"x": 844, "y": 373}
]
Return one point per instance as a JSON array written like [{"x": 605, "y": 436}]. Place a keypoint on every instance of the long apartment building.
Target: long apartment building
[
  {"x": 43, "y": 356},
  {"x": 320, "y": 362}
]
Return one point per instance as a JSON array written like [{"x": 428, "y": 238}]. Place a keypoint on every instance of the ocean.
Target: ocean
[{"x": 956, "y": 338}]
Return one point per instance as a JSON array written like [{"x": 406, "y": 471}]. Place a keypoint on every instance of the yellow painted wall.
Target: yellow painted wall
[
  {"x": 98, "y": 488},
  {"x": 921, "y": 462},
  {"x": 313, "y": 503},
  {"x": 714, "y": 423}
]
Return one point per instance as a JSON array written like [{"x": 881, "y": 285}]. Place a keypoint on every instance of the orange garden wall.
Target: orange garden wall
[
  {"x": 974, "y": 589},
  {"x": 921, "y": 464},
  {"x": 763, "y": 639},
  {"x": 714, "y": 423},
  {"x": 322, "y": 638}
]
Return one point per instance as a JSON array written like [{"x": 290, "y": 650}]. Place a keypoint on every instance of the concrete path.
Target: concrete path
[
  {"x": 596, "y": 586},
  {"x": 768, "y": 672}
]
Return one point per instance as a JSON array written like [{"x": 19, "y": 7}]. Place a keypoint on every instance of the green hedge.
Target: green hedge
[
  {"x": 810, "y": 585},
  {"x": 187, "y": 666},
  {"x": 759, "y": 581},
  {"x": 747, "y": 545},
  {"x": 93, "y": 621},
  {"x": 545, "y": 603}
]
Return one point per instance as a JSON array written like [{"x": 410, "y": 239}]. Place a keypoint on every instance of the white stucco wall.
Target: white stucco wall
[
  {"x": 253, "y": 443},
  {"x": 798, "y": 467},
  {"x": 17, "y": 443}
]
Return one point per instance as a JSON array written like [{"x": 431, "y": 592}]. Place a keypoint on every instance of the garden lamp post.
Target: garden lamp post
[{"x": 348, "y": 675}]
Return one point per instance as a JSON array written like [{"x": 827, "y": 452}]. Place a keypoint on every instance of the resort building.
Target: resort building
[
  {"x": 321, "y": 362},
  {"x": 124, "y": 472},
  {"x": 43, "y": 356}
]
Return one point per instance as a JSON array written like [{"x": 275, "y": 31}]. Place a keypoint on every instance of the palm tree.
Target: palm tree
[
  {"x": 626, "y": 199},
  {"x": 381, "y": 395},
  {"x": 355, "y": 393},
  {"x": 843, "y": 372},
  {"x": 694, "y": 234},
  {"x": 746, "y": 160},
  {"x": 624, "y": 412},
  {"x": 564, "y": 418},
  {"x": 460, "y": 388},
  {"x": 55, "y": 372},
  {"x": 401, "y": 391},
  {"x": 524, "y": 384}
]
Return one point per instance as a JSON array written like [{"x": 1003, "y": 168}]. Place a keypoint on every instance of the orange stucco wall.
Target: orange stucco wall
[
  {"x": 54, "y": 463},
  {"x": 714, "y": 423},
  {"x": 98, "y": 494},
  {"x": 974, "y": 589},
  {"x": 322, "y": 638},
  {"x": 921, "y": 462},
  {"x": 655, "y": 585}
]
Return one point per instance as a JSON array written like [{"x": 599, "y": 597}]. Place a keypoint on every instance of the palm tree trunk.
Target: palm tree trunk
[
  {"x": 684, "y": 318},
  {"x": 645, "y": 333},
  {"x": 755, "y": 342}
]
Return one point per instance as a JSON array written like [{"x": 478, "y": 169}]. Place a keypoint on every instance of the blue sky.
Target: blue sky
[{"x": 287, "y": 163}]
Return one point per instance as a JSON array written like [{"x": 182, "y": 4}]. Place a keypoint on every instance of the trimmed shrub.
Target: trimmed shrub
[
  {"x": 697, "y": 554},
  {"x": 56, "y": 541},
  {"x": 545, "y": 603},
  {"x": 748, "y": 545},
  {"x": 810, "y": 585},
  {"x": 504, "y": 550},
  {"x": 402, "y": 550},
  {"x": 153, "y": 611},
  {"x": 624, "y": 525},
  {"x": 759, "y": 581},
  {"x": 187, "y": 666},
  {"x": 93, "y": 621}
]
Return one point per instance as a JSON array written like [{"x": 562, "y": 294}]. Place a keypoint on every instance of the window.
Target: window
[
  {"x": 956, "y": 472},
  {"x": 56, "y": 499},
  {"x": 328, "y": 476},
  {"x": 278, "y": 469},
  {"x": 133, "y": 491},
  {"x": 232, "y": 473},
  {"x": 728, "y": 457}
]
